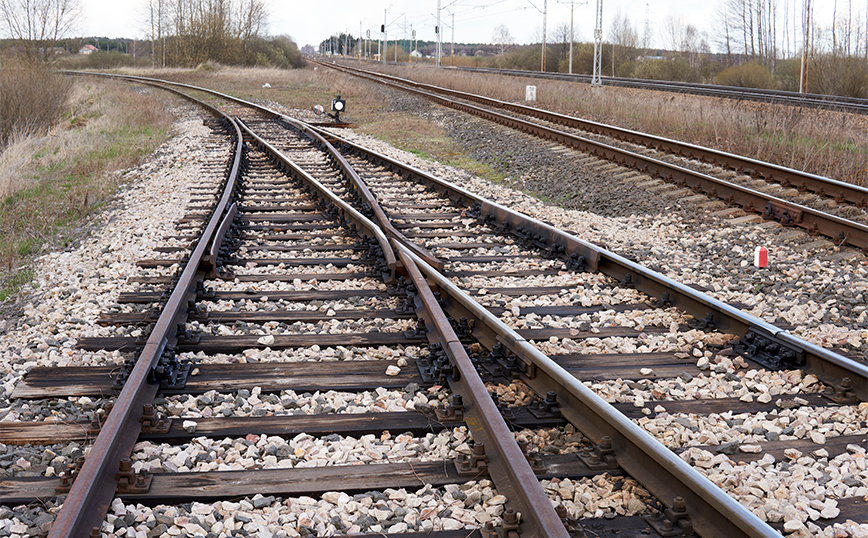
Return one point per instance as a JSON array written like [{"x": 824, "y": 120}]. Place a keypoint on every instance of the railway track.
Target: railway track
[
  {"x": 301, "y": 292},
  {"x": 817, "y": 205},
  {"x": 838, "y": 103}
]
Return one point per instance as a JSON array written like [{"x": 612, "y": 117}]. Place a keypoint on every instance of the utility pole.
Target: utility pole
[
  {"x": 597, "y": 80},
  {"x": 437, "y": 31},
  {"x": 385, "y": 36},
  {"x": 647, "y": 37},
  {"x": 452, "y": 53},
  {"x": 806, "y": 20},
  {"x": 543, "y": 56}
]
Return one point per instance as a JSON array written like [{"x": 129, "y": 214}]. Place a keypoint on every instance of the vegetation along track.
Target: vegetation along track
[
  {"x": 813, "y": 203},
  {"x": 273, "y": 250},
  {"x": 854, "y": 105}
]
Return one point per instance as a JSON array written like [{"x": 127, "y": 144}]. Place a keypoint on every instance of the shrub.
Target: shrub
[
  {"x": 32, "y": 99},
  {"x": 750, "y": 75}
]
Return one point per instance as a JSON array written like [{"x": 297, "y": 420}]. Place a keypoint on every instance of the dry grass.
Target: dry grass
[
  {"x": 368, "y": 105},
  {"x": 23, "y": 111},
  {"x": 52, "y": 182},
  {"x": 825, "y": 143}
]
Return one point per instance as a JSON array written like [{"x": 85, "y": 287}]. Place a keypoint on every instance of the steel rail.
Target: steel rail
[
  {"x": 840, "y": 230},
  {"x": 345, "y": 210},
  {"x": 838, "y": 103},
  {"x": 712, "y": 512},
  {"x": 507, "y": 465},
  {"x": 379, "y": 216},
  {"x": 787, "y": 177},
  {"x": 362, "y": 190},
  {"x": 94, "y": 487},
  {"x": 829, "y": 366}
]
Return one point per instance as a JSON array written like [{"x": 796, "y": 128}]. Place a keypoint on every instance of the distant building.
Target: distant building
[
  {"x": 416, "y": 54},
  {"x": 87, "y": 49}
]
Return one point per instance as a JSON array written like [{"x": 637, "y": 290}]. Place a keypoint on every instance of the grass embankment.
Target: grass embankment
[
  {"x": 51, "y": 181},
  {"x": 371, "y": 109},
  {"x": 821, "y": 142}
]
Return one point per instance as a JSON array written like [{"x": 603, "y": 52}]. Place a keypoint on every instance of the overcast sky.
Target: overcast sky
[{"x": 309, "y": 22}]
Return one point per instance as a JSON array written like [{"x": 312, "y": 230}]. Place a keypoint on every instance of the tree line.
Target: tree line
[
  {"x": 759, "y": 43},
  {"x": 181, "y": 33},
  {"x": 189, "y": 32}
]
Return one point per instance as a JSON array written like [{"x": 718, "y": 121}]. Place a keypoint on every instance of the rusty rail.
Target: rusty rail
[
  {"x": 346, "y": 211},
  {"x": 506, "y": 464},
  {"x": 362, "y": 190},
  {"x": 829, "y": 366},
  {"x": 91, "y": 494},
  {"x": 712, "y": 512}
]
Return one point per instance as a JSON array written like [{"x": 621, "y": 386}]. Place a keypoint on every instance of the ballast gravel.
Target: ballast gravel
[
  {"x": 823, "y": 298},
  {"x": 819, "y": 290}
]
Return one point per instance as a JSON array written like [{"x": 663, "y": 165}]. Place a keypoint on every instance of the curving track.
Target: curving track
[{"x": 510, "y": 298}]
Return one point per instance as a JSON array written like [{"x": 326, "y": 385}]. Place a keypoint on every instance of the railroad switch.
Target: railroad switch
[
  {"x": 154, "y": 422},
  {"x": 130, "y": 481},
  {"x": 601, "y": 456},
  {"x": 762, "y": 347},
  {"x": 842, "y": 394},
  {"x": 472, "y": 464},
  {"x": 673, "y": 521}
]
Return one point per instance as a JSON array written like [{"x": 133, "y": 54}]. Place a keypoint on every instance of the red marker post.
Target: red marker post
[{"x": 761, "y": 257}]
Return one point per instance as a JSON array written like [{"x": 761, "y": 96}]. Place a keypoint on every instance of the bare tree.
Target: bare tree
[
  {"x": 561, "y": 42},
  {"x": 157, "y": 17},
  {"x": 38, "y": 24},
  {"x": 622, "y": 33},
  {"x": 502, "y": 38},
  {"x": 624, "y": 38}
]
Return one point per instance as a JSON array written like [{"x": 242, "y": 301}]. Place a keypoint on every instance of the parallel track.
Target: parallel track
[
  {"x": 434, "y": 225},
  {"x": 836, "y": 103},
  {"x": 842, "y": 230}
]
